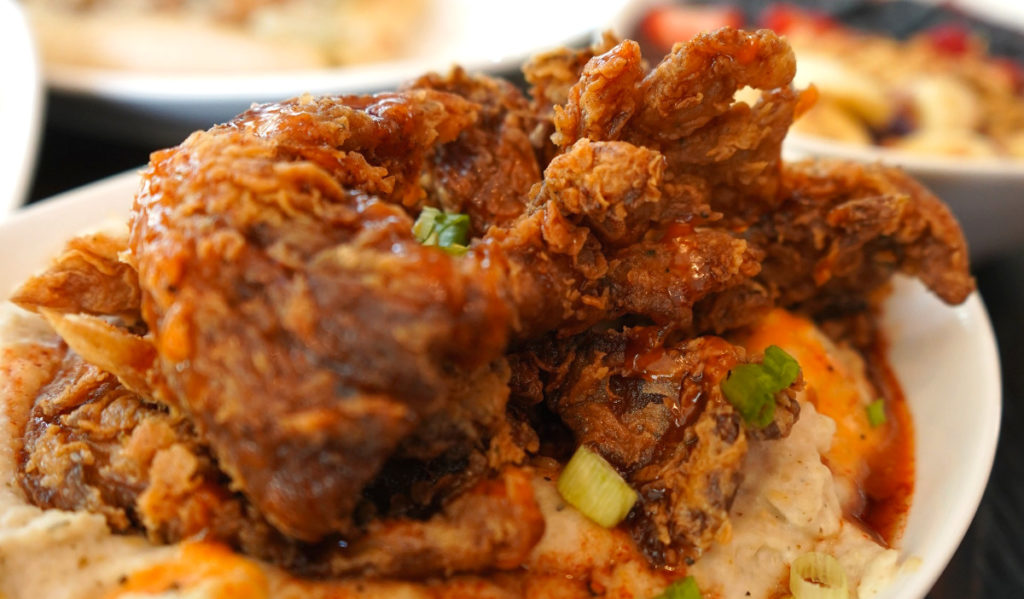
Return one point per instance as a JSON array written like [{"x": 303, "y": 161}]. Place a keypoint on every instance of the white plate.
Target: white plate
[
  {"x": 20, "y": 106},
  {"x": 945, "y": 358},
  {"x": 482, "y": 36}
]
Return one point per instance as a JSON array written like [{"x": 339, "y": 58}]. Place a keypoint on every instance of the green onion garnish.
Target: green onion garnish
[
  {"x": 681, "y": 589},
  {"x": 817, "y": 576},
  {"x": 876, "y": 413},
  {"x": 446, "y": 230},
  {"x": 593, "y": 486},
  {"x": 751, "y": 388},
  {"x": 782, "y": 366}
]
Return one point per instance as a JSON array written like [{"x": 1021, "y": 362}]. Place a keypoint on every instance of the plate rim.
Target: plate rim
[{"x": 119, "y": 85}]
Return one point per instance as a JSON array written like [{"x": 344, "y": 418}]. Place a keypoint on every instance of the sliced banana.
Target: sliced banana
[
  {"x": 1015, "y": 145},
  {"x": 827, "y": 119},
  {"x": 944, "y": 102},
  {"x": 854, "y": 91},
  {"x": 947, "y": 142}
]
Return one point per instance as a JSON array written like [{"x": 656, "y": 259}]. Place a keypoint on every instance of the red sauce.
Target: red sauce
[
  {"x": 878, "y": 460},
  {"x": 889, "y": 486},
  {"x": 644, "y": 348},
  {"x": 677, "y": 230}
]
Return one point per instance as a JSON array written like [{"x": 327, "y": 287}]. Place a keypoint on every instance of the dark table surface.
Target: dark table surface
[{"x": 989, "y": 562}]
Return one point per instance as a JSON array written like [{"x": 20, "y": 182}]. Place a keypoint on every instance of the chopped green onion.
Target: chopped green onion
[
  {"x": 681, "y": 589},
  {"x": 781, "y": 365},
  {"x": 817, "y": 576},
  {"x": 751, "y": 388},
  {"x": 593, "y": 486},
  {"x": 876, "y": 413},
  {"x": 446, "y": 230}
]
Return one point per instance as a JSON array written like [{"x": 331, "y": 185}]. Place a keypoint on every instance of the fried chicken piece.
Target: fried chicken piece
[
  {"x": 246, "y": 234},
  {"x": 91, "y": 444},
  {"x": 487, "y": 172},
  {"x": 684, "y": 108},
  {"x": 87, "y": 278},
  {"x": 273, "y": 245},
  {"x": 551, "y": 75},
  {"x": 845, "y": 229},
  {"x": 655, "y": 410},
  {"x": 493, "y": 525},
  {"x": 601, "y": 239},
  {"x": 841, "y": 233}
]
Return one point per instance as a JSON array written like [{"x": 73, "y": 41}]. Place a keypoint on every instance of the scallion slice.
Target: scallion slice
[
  {"x": 817, "y": 576},
  {"x": 876, "y": 413},
  {"x": 751, "y": 388},
  {"x": 782, "y": 366},
  {"x": 681, "y": 589},
  {"x": 593, "y": 486},
  {"x": 446, "y": 230}
]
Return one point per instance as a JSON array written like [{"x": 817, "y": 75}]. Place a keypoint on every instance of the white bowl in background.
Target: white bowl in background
[
  {"x": 21, "y": 103},
  {"x": 944, "y": 357},
  {"x": 481, "y": 36}
]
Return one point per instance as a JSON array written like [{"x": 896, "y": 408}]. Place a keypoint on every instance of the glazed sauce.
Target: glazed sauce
[
  {"x": 878, "y": 462},
  {"x": 889, "y": 486}
]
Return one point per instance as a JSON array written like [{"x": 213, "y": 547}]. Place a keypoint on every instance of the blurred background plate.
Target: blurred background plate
[
  {"x": 20, "y": 107},
  {"x": 985, "y": 193},
  {"x": 163, "y": 109}
]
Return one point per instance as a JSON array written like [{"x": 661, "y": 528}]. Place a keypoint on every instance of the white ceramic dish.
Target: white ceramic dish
[
  {"x": 20, "y": 106},
  {"x": 482, "y": 36},
  {"x": 945, "y": 358}
]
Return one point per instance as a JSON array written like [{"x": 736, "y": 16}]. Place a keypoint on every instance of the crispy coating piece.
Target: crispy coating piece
[
  {"x": 273, "y": 246},
  {"x": 91, "y": 444},
  {"x": 600, "y": 239},
  {"x": 654, "y": 408},
  {"x": 684, "y": 107},
  {"x": 87, "y": 278},
  {"x": 487, "y": 172},
  {"x": 605, "y": 97},
  {"x": 91, "y": 298},
  {"x": 696, "y": 82},
  {"x": 845, "y": 229},
  {"x": 492, "y": 525},
  {"x": 551, "y": 75}
]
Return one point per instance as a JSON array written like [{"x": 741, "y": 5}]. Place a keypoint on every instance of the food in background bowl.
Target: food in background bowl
[
  {"x": 365, "y": 340},
  {"x": 938, "y": 93},
  {"x": 222, "y": 35}
]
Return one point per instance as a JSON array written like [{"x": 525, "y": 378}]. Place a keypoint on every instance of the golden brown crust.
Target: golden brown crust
[{"x": 318, "y": 388}]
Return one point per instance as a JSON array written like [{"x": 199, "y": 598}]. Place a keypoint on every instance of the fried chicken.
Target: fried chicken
[
  {"x": 684, "y": 108},
  {"x": 845, "y": 229},
  {"x": 342, "y": 399},
  {"x": 653, "y": 408}
]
